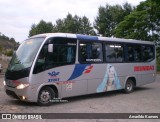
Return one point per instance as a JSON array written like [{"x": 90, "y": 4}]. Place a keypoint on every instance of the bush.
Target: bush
[{"x": 9, "y": 53}]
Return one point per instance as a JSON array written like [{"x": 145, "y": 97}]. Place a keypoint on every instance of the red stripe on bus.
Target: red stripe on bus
[{"x": 143, "y": 68}]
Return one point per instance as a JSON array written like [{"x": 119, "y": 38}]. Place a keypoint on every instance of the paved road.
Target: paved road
[{"x": 144, "y": 99}]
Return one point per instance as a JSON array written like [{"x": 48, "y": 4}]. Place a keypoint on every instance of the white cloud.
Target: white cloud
[{"x": 17, "y": 16}]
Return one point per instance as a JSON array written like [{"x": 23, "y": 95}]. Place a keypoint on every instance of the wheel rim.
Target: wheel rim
[
  {"x": 129, "y": 86},
  {"x": 45, "y": 96}
]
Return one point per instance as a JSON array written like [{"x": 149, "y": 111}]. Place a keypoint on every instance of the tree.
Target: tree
[
  {"x": 33, "y": 30},
  {"x": 59, "y": 26},
  {"x": 41, "y": 27},
  {"x": 9, "y": 53},
  {"x": 74, "y": 24},
  {"x": 70, "y": 24},
  {"x": 86, "y": 27},
  {"x": 12, "y": 40},
  {"x": 143, "y": 23},
  {"x": 109, "y": 17}
]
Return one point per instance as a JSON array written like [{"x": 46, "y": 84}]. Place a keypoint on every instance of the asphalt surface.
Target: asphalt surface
[{"x": 145, "y": 99}]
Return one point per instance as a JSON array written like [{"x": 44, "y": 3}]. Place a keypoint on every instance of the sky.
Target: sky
[{"x": 17, "y": 16}]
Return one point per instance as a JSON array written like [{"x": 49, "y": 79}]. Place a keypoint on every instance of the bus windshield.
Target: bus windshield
[{"x": 25, "y": 54}]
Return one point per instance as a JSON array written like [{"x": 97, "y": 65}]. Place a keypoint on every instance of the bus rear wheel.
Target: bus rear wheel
[
  {"x": 46, "y": 94},
  {"x": 129, "y": 87}
]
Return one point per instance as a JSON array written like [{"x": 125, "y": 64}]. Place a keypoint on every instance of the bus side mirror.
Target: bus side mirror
[{"x": 50, "y": 48}]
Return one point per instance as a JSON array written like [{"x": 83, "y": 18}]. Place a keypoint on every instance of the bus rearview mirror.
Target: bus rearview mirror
[{"x": 50, "y": 48}]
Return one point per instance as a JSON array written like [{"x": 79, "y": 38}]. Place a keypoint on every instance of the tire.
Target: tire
[
  {"x": 45, "y": 96},
  {"x": 129, "y": 87}
]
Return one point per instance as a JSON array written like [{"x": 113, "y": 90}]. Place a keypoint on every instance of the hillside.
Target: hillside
[{"x": 7, "y": 44}]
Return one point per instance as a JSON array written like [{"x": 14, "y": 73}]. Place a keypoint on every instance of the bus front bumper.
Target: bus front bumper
[{"x": 22, "y": 94}]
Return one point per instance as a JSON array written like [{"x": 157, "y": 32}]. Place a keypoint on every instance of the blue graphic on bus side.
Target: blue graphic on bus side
[
  {"x": 53, "y": 73},
  {"x": 78, "y": 70},
  {"x": 53, "y": 76}
]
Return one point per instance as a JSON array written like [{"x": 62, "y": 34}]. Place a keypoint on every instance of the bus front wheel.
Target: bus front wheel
[
  {"x": 46, "y": 94},
  {"x": 129, "y": 86}
]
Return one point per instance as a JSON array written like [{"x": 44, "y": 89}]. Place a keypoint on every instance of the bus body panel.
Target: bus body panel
[{"x": 88, "y": 79}]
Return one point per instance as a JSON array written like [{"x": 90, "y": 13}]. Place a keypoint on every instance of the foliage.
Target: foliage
[
  {"x": 74, "y": 24},
  {"x": 1, "y": 48},
  {"x": 9, "y": 53},
  {"x": 3, "y": 37},
  {"x": 141, "y": 24},
  {"x": 109, "y": 17},
  {"x": 7, "y": 44},
  {"x": 41, "y": 27},
  {"x": 69, "y": 24}
]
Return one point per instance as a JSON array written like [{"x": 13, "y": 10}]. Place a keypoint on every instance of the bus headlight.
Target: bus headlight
[
  {"x": 4, "y": 82},
  {"x": 22, "y": 86}
]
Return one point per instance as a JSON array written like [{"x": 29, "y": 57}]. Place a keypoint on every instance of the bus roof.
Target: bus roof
[{"x": 91, "y": 38}]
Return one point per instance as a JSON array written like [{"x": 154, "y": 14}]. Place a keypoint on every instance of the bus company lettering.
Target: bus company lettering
[
  {"x": 53, "y": 76},
  {"x": 143, "y": 68}
]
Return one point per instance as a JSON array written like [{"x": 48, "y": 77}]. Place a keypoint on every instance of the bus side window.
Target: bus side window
[
  {"x": 83, "y": 52},
  {"x": 137, "y": 53},
  {"x": 130, "y": 53},
  {"x": 64, "y": 53},
  {"x": 119, "y": 52},
  {"x": 148, "y": 53},
  {"x": 40, "y": 63},
  {"x": 90, "y": 52},
  {"x": 110, "y": 53},
  {"x": 114, "y": 52},
  {"x": 71, "y": 54}
]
